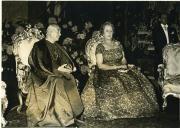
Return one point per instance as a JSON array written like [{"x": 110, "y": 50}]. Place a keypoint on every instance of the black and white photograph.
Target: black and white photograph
[{"x": 90, "y": 64}]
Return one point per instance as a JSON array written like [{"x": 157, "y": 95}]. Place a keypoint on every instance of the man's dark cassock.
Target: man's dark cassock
[{"x": 53, "y": 98}]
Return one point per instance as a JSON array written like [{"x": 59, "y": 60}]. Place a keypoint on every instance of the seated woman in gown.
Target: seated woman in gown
[
  {"x": 53, "y": 98},
  {"x": 119, "y": 90}
]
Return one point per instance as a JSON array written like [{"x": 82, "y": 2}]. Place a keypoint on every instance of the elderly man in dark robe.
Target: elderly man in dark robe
[{"x": 53, "y": 98}]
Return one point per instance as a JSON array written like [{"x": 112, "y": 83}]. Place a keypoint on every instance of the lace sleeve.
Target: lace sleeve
[{"x": 100, "y": 49}]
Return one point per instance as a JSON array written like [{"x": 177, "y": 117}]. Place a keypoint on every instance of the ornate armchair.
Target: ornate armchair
[
  {"x": 4, "y": 103},
  {"x": 23, "y": 44},
  {"x": 169, "y": 72},
  {"x": 90, "y": 49}
]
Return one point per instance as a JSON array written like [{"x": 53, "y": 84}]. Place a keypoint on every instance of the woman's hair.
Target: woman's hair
[{"x": 107, "y": 23}]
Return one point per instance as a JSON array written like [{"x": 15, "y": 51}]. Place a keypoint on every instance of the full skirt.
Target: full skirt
[{"x": 112, "y": 94}]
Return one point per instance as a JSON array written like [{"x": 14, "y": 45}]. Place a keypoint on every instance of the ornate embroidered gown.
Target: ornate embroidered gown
[{"x": 110, "y": 94}]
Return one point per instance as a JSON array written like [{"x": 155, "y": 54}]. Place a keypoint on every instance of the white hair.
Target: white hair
[{"x": 52, "y": 27}]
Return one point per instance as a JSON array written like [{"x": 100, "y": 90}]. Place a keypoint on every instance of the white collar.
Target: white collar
[{"x": 164, "y": 25}]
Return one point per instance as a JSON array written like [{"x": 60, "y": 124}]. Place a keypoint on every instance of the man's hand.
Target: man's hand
[{"x": 65, "y": 68}]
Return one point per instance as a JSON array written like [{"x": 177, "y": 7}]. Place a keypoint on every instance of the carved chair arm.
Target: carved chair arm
[{"x": 160, "y": 70}]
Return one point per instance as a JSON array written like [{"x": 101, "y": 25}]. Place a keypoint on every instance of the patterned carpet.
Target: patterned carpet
[
  {"x": 163, "y": 120},
  {"x": 160, "y": 122}
]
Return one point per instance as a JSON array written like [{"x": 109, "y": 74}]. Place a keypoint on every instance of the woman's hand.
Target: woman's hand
[
  {"x": 124, "y": 67},
  {"x": 65, "y": 68},
  {"x": 131, "y": 65}
]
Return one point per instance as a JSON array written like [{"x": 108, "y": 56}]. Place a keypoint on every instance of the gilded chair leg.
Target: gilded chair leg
[
  {"x": 19, "y": 108},
  {"x": 164, "y": 103}
]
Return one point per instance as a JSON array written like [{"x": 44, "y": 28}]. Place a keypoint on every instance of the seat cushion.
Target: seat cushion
[
  {"x": 174, "y": 81},
  {"x": 172, "y": 86}
]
